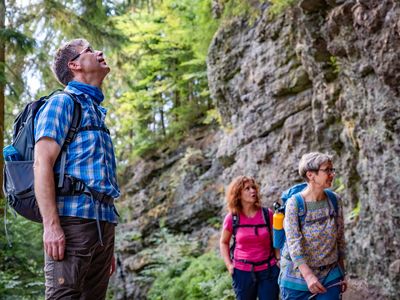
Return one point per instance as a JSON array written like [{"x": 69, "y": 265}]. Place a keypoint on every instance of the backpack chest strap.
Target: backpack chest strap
[
  {"x": 252, "y": 225},
  {"x": 94, "y": 128},
  {"x": 255, "y": 226}
]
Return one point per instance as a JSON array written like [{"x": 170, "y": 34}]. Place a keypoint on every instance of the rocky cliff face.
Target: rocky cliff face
[{"x": 322, "y": 76}]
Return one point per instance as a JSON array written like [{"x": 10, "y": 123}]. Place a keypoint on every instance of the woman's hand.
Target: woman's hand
[
  {"x": 313, "y": 284},
  {"x": 344, "y": 285},
  {"x": 224, "y": 248},
  {"x": 230, "y": 268},
  {"x": 277, "y": 255},
  {"x": 278, "y": 263}
]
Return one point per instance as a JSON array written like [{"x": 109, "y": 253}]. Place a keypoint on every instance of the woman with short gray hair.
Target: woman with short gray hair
[{"x": 312, "y": 264}]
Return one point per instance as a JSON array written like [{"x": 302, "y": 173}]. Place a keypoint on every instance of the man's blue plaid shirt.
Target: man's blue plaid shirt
[{"x": 90, "y": 156}]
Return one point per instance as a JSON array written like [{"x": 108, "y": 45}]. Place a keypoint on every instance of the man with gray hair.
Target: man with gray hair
[{"x": 75, "y": 187}]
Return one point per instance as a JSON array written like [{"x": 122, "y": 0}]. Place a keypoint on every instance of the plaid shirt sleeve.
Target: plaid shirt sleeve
[{"x": 54, "y": 118}]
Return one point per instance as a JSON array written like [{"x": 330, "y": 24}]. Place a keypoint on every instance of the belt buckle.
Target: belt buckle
[{"x": 80, "y": 186}]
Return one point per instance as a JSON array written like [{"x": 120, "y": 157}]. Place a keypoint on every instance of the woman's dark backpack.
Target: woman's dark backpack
[
  {"x": 236, "y": 225},
  {"x": 18, "y": 180}
]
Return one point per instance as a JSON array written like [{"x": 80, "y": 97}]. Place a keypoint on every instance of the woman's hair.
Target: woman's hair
[
  {"x": 63, "y": 56},
  {"x": 311, "y": 162},
  {"x": 234, "y": 191}
]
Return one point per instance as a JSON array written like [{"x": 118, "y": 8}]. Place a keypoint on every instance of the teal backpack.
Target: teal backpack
[{"x": 279, "y": 236}]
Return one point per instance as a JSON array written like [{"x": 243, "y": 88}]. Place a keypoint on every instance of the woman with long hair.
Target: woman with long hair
[{"x": 252, "y": 263}]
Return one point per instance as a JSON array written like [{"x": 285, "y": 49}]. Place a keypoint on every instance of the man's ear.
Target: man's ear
[{"x": 73, "y": 65}]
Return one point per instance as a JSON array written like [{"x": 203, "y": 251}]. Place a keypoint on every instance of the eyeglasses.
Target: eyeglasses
[
  {"x": 85, "y": 50},
  {"x": 328, "y": 170}
]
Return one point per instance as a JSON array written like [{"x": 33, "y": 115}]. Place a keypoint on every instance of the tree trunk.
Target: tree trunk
[
  {"x": 177, "y": 103},
  {"x": 2, "y": 86},
  {"x": 163, "y": 131}
]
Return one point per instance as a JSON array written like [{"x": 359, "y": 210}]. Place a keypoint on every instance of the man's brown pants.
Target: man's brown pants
[{"x": 84, "y": 272}]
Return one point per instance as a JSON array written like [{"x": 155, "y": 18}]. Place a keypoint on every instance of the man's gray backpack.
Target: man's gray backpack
[{"x": 18, "y": 180}]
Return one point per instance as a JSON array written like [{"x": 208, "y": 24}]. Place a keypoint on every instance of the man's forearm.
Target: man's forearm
[{"x": 45, "y": 193}]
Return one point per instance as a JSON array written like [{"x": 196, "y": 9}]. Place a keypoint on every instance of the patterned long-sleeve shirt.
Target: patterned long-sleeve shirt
[{"x": 318, "y": 241}]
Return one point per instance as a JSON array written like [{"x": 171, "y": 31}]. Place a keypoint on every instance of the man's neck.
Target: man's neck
[{"x": 89, "y": 80}]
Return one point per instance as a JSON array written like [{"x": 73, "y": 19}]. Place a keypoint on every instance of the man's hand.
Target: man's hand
[{"x": 54, "y": 241}]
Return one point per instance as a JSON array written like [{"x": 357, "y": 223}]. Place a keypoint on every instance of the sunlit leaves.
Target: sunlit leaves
[{"x": 165, "y": 89}]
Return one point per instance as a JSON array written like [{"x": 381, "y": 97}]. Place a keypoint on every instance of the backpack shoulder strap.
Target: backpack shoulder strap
[
  {"x": 265, "y": 213},
  {"x": 301, "y": 207},
  {"x": 333, "y": 200},
  {"x": 76, "y": 120},
  {"x": 235, "y": 225}
]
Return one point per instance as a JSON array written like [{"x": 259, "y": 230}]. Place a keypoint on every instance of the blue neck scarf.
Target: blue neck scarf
[{"x": 93, "y": 91}]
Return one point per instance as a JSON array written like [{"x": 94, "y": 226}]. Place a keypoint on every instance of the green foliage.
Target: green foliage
[
  {"x": 214, "y": 222},
  {"x": 178, "y": 269},
  {"x": 21, "y": 275},
  {"x": 204, "y": 277},
  {"x": 16, "y": 41},
  {"x": 160, "y": 78},
  {"x": 354, "y": 214},
  {"x": 213, "y": 116},
  {"x": 278, "y": 6},
  {"x": 335, "y": 64},
  {"x": 338, "y": 185},
  {"x": 241, "y": 8}
]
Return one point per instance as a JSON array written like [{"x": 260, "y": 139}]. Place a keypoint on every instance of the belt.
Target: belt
[{"x": 258, "y": 263}]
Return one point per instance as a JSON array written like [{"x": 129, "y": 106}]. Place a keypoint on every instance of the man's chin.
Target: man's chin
[
  {"x": 106, "y": 67},
  {"x": 105, "y": 70}
]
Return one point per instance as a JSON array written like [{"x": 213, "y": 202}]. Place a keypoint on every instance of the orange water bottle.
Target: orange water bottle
[
  {"x": 278, "y": 220},
  {"x": 277, "y": 225}
]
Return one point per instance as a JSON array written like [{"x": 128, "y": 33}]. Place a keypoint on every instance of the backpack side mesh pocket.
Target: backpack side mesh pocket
[{"x": 18, "y": 184}]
